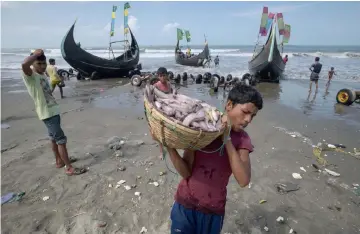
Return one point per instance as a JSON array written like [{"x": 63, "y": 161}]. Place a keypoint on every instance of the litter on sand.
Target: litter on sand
[
  {"x": 333, "y": 173},
  {"x": 296, "y": 176},
  {"x": 46, "y": 198},
  {"x": 143, "y": 230},
  {"x": 286, "y": 187},
  {"x": 121, "y": 182},
  {"x": 280, "y": 219},
  {"x": 266, "y": 229},
  {"x": 303, "y": 169},
  {"x": 262, "y": 201}
]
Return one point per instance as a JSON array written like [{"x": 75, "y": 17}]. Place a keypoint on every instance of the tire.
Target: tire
[
  {"x": 136, "y": 80},
  {"x": 171, "y": 75},
  {"x": 64, "y": 74},
  {"x": 79, "y": 76},
  {"x": 94, "y": 76},
  {"x": 345, "y": 97}
]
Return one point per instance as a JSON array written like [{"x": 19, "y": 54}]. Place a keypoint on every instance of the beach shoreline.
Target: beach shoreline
[{"x": 86, "y": 203}]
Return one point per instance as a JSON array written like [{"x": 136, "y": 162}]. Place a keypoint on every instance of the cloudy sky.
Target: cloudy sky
[{"x": 43, "y": 24}]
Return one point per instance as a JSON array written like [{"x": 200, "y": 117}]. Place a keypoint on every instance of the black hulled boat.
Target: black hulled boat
[
  {"x": 194, "y": 61},
  {"x": 268, "y": 64},
  {"x": 89, "y": 65}
]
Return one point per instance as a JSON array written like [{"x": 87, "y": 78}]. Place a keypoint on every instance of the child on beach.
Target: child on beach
[
  {"x": 200, "y": 199},
  {"x": 330, "y": 75},
  {"x": 55, "y": 79},
  {"x": 47, "y": 109},
  {"x": 163, "y": 85}
]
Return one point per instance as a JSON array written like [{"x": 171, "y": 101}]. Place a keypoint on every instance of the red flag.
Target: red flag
[{"x": 265, "y": 10}]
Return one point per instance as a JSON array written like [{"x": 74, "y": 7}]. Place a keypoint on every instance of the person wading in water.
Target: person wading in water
[{"x": 315, "y": 71}]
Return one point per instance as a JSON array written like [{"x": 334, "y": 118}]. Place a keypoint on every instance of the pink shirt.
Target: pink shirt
[
  {"x": 206, "y": 190},
  {"x": 163, "y": 87}
]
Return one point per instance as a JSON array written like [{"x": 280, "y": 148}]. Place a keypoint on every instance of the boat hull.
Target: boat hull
[
  {"x": 268, "y": 64},
  {"x": 88, "y": 64},
  {"x": 194, "y": 61}
]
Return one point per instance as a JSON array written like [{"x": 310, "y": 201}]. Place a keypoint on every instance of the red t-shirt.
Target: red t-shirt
[
  {"x": 163, "y": 87},
  {"x": 205, "y": 190}
]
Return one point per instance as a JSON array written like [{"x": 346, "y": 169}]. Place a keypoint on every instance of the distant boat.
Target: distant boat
[
  {"x": 267, "y": 64},
  {"x": 194, "y": 61}
]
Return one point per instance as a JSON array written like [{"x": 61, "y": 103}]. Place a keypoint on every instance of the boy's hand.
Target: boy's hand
[
  {"x": 224, "y": 120},
  {"x": 38, "y": 52}
]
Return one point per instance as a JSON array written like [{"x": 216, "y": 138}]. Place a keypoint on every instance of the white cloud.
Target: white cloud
[
  {"x": 8, "y": 4},
  {"x": 278, "y": 9},
  {"x": 170, "y": 26}
]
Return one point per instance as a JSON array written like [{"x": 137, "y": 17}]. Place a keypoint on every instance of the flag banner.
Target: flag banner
[
  {"x": 180, "y": 34},
  {"x": 188, "y": 36},
  {"x": 113, "y": 16},
  {"x": 287, "y": 32},
  {"x": 126, "y": 13},
  {"x": 280, "y": 21},
  {"x": 268, "y": 24},
  {"x": 264, "y": 19}
]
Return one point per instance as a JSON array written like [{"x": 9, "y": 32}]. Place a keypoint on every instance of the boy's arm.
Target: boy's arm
[
  {"x": 26, "y": 65},
  {"x": 239, "y": 163},
  {"x": 182, "y": 164}
]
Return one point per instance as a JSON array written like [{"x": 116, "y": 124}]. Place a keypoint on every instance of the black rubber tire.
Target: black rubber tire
[
  {"x": 222, "y": 80},
  {"x": 184, "y": 76},
  {"x": 228, "y": 77},
  {"x": 345, "y": 97},
  {"x": 79, "y": 76},
  {"x": 136, "y": 80},
  {"x": 94, "y": 76},
  {"x": 63, "y": 73},
  {"x": 170, "y": 75}
]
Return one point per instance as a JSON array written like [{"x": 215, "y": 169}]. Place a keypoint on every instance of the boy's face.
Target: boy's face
[
  {"x": 40, "y": 66},
  {"x": 162, "y": 77},
  {"x": 240, "y": 115}
]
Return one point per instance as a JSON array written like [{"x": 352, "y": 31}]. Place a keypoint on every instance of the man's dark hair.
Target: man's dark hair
[
  {"x": 242, "y": 94},
  {"x": 40, "y": 58},
  {"x": 162, "y": 70},
  {"x": 317, "y": 59},
  {"x": 51, "y": 60}
]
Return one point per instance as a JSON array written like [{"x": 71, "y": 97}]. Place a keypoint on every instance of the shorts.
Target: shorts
[
  {"x": 54, "y": 129},
  {"x": 54, "y": 83},
  {"x": 189, "y": 221},
  {"x": 314, "y": 76}
]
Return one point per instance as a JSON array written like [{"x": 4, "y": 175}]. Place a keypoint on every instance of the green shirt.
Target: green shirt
[{"x": 40, "y": 91}]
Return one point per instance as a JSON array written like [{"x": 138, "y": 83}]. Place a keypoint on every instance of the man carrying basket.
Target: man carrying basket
[{"x": 200, "y": 199}]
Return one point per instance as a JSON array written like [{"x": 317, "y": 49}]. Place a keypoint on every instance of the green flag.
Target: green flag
[
  {"x": 180, "y": 34},
  {"x": 126, "y": 6},
  {"x": 188, "y": 36}
]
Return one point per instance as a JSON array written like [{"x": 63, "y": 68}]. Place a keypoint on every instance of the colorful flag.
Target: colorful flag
[
  {"x": 180, "y": 34},
  {"x": 287, "y": 32},
  {"x": 281, "y": 25},
  {"x": 187, "y": 35},
  {"x": 113, "y": 16},
  {"x": 264, "y": 19},
  {"x": 126, "y": 13},
  {"x": 269, "y": 22}
]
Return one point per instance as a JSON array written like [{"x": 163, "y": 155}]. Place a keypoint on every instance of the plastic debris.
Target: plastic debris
[
  {"x": 355, "y": 185},
  {"x": 110, "y": 185},
  {"x": 303, "y": 169},
  {"x": 121, "y": 182},
  {"x": 143, "y": 230},
  {"x": 266, "y": 229},
  {"x": 122, "y": 168},
  {"x": 262, "y": 201},
  {"x": 331, "y": 146},
  {"x": 127, "y": 187},
  {"x": 333, "y": 173},
  {"x": 117, "y": 186},
  {"x": 162, "y": 173},
  {"x": 46, "y": 198},
  {"x": 280, "y": 219},
  {"x": 296, "y": 176},
  {"x": 286, "y": 187},
  {"x": 250, "y": 185},
  {"x": 293, "y": 136},
  {"x": 156, "y": 184},
  {"x": 291, "y": 231},
  {"x": 137, "y": 193}
]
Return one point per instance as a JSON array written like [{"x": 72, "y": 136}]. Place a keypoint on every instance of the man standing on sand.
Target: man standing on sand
[
  {"x": 55, "y": 79},
  {"x": 315, "y": 71},
  {"x": 47, "y": 109},
  {"x": 200, "y": 199}
]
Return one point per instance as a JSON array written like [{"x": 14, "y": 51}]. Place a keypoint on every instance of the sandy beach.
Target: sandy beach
[{"x": 283, "y": 136}]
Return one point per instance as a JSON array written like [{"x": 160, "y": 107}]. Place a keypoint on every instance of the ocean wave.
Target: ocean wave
[{"x": 158, "y": 53}]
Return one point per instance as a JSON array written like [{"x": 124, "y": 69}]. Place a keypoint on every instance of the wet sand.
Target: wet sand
[{"x": 86, "y": 203}]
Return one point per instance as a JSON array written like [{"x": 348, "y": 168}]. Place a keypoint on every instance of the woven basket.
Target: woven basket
[{"x": 175, "y": 135}]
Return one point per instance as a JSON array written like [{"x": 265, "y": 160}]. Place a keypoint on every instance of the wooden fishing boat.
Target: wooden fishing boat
[
  {"x": 267, "y": 62},
  {"x": 89, "y": 65},
  {"x": 194, "y": 61}
]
